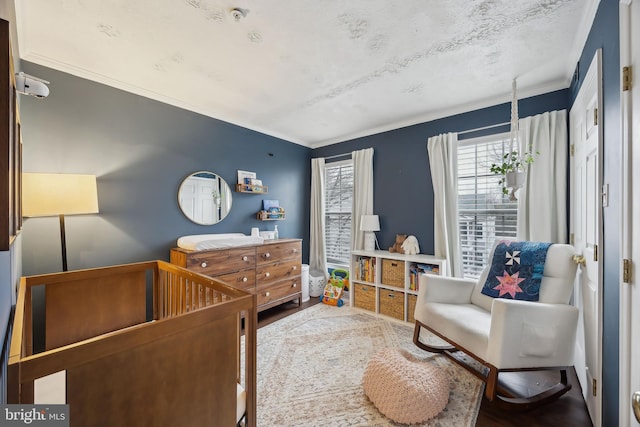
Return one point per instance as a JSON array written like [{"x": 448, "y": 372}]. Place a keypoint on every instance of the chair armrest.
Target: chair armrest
[
  {"x": 531, "y": 334},
  {"x": 448, "y": 290}
]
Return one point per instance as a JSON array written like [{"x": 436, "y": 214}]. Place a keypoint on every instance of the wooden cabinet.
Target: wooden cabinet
[
  {"x": 221, "y": 261},
  {"x": 270, "y": 270},
  {"x": 387, "y": 283},
  {"x": 10, "y": 147}
]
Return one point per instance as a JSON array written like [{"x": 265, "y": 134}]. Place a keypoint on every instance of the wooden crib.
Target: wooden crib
[{"x": 144, "y": 344}]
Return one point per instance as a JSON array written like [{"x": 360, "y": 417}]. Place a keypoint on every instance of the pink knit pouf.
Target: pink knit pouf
[{"x": 403, "y": 388}]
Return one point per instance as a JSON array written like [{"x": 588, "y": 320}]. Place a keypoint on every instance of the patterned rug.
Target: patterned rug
[{"x": 310, "y": 367}]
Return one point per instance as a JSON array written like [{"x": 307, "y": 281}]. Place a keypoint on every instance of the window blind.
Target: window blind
[
  {"x": 484, "y": 212},
  {"x": 338, "y": 202}
]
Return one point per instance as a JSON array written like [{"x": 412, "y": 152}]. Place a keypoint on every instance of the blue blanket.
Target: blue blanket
[{"x": 516, "y": 270}]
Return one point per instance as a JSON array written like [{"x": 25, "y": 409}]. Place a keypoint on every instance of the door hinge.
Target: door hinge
[
  {"x": 572, "y": 239},
  {"x": 595, "y": 252},
  {"x": 573, "y": 150},
  {"x": 595, "y": 117},
  {"x": 626, "y": 271},
  {"x": 594, "y": 387},
  {"x": 626, "y": 78}
]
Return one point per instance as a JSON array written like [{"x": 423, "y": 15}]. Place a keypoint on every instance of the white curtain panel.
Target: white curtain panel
[
  {"x": 443, "y": 160},
  {"x": 362, "y": 193},
  {"x": 542, "y": 202},
  {"x": 317, "y": 246}
]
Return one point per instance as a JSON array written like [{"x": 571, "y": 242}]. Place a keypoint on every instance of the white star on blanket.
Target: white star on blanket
[{"x": 512, "y": 257}]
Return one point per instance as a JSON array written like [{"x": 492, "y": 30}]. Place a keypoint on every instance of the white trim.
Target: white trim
[
  {"x": 582, "y": 34},
  {"x": 558, "y": 84},
  {"x": 626, "y": 226}
]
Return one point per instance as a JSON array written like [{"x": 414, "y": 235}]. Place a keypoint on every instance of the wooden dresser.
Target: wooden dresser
[{"x": 270, "y": 270}]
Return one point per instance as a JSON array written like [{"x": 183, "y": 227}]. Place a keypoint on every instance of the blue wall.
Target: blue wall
[
  {"x": 403, "y": 192},
  {"x": 605, "y": 35},
  {"x": 141, "y": 150}
]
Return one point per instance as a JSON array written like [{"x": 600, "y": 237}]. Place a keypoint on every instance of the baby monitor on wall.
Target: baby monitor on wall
[{"x": 30, "y": 85}]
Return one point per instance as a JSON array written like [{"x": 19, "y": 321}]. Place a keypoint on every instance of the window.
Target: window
[
  {"x": 338, "y": 196},
  {"x": 485, "y": 214}
]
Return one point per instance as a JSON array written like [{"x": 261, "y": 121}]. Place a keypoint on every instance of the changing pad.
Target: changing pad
[{"x": 198, "y": 242}]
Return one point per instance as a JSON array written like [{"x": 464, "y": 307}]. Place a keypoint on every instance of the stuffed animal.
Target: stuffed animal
[
  {"x": 411, "y": 246},
  {"x": 397, "y": 246}
]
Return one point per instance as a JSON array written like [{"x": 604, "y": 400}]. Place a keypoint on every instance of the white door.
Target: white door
[
  {"x": 586, "y": 228},
  {"x": 197, "y": 199},
  {"x": 630, "y": 214}
]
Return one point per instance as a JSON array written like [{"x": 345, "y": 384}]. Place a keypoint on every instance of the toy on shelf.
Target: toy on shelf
[
  {"x": 333, "y": 290},
  {"x": 271, "y": 210}
]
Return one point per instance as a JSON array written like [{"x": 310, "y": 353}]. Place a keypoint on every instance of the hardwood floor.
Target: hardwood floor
[{"x": 568, "y": 411}]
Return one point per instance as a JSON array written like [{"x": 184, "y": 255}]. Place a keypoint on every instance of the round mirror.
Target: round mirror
[{"x": 204, "y": 198}]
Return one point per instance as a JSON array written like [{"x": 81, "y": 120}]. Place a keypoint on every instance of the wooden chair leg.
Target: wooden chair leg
[
  {"x": 491, "y": 383},
  {"x": 426, "y": 347}
]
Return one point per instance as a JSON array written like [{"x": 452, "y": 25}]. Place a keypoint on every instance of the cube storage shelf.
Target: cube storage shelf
[{"x": 387, "y": 283}]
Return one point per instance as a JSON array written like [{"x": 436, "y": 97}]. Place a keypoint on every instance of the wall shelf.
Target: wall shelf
[
  {"x": 252, "y": 189},
  {"x": 266, "y": 216}
]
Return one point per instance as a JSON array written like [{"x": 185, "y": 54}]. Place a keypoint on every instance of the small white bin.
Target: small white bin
[
  {"x": 305, "y": 282},
  {"x": 317, "y": 281}
]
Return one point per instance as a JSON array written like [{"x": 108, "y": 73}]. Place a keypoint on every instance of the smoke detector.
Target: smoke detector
[{"x": 238, "y": 13}]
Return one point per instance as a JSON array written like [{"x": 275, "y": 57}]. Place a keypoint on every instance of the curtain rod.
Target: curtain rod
[
  {"x": 338, "y": 155},
  {"x": 483, "y": 128}
]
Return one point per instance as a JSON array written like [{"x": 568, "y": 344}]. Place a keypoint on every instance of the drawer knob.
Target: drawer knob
[
  {"x": 267, "y": 255},
  {"x": 295, "y": 250},
  {"x": 244, "y": 279},
  {"x": 266, "y": 294},
  {"x": 267, "y": 274},
  {"x": 295, "y": 267},
  {"x": 245, "y": 258},
  {"x": 295, "y": 285},
  {"x": 203, "y": 265}
]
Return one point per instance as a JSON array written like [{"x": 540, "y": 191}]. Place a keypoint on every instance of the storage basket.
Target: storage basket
[
  {"x": 392, "y": 303},
  {"x": 364, "y": 296},
  {"x": 411, "y": 307},
  {"x": 393, "y": 273}
]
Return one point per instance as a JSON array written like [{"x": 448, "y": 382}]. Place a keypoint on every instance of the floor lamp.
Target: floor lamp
[{"x": 51, "y": 194}]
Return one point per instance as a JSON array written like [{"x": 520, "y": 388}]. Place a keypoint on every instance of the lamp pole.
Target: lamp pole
[{"x": 63, "y": 241}]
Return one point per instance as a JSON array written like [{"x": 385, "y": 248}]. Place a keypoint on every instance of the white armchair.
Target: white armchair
[{"x": 505, "y": 334}]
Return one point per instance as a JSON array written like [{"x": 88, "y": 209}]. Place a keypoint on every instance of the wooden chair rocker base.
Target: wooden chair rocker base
[{"x": 494, "y": 392}]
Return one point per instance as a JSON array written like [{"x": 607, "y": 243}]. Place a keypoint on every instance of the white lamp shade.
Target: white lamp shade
[
  {"x": 49, "y": 194},
  {"x": 369, "y": 223}
]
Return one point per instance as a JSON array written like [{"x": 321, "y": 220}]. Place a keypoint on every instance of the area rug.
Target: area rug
[{"x": 310, "y": 367}]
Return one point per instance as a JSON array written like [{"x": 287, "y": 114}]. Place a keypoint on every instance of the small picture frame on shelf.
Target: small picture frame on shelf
[
  {"x": 257, "y": 182},
  {"x": 244, "y": 175}
]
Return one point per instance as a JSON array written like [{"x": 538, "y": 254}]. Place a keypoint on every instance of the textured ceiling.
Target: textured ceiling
[{"x": 312, "y": 72}]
